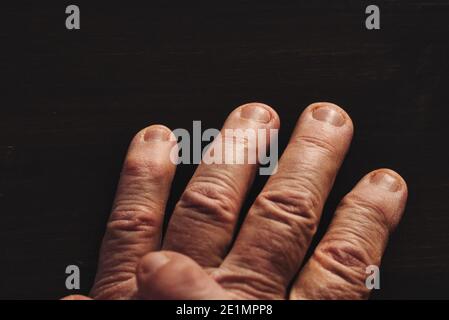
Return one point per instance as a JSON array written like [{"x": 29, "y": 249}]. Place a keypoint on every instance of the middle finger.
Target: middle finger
[{"x": 282, "y": 221}]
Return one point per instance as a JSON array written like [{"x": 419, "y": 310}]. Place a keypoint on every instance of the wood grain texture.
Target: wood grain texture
[{"x": 71, "y": 101}]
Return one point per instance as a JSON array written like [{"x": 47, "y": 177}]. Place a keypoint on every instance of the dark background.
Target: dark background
[{"x": 70, "y": 102}]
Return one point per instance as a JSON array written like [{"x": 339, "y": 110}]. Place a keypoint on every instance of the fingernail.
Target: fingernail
[
  {"x": 153, "y": 262},
  {"x": 256, "y": 113},
  {"x": 386, "y": 181},
  {"x": 156, "y": 134},
  {"x": 329, "y": 115}
]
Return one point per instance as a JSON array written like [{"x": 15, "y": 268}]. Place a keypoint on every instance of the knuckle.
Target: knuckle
[
  {"x": 249, "y": 284},
  {"x": 344, "y": 253},
  {"x": 235, "y": 145},
  {"x": 370, "y": 209},
  {"x": 241, "y": 137},
  {"x": 140, "y": 167},
  {"x": 109, "y": 284},
  {"x": 210, "y": 198},
  {"x": 134, "y": 218},
  {"x": 317, "y": 143},
  {"x": 346, "y": 261},
  {"x": 292, "y": 208}
]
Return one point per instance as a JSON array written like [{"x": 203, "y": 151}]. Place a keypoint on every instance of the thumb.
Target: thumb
[{"x": 166, "y": 275}]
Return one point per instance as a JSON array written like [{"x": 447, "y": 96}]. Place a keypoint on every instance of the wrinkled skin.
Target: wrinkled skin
[{"x": 196, "y": 260}]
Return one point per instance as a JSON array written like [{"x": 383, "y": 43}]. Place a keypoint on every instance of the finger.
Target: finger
[
  {"x": 134, "y": 227},
  {"x": 203, "y": 221},
  {"x": 355, "y": 240},
  {"x": 166, "y": 275},
  {"x": 279, "y": 227}
]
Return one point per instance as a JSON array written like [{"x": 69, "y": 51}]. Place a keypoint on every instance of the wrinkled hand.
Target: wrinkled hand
[{"x": 197, "y": 259}]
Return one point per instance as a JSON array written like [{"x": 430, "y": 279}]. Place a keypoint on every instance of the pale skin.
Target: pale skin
[{"x": 197, "y": 258}]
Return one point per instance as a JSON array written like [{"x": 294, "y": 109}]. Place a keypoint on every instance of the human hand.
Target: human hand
[{"x": 197, "y": 258}]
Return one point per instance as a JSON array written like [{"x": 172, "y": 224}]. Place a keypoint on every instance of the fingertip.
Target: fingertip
[
  {"x": 151, "y": 263},
  {"x": 153, "y": 150},
  {"x": 156, "y": 132},
  {"x": 384, "y": 189},
  {"x": 259, "y": 112},
  {"x": 330, "y": 113},
  {"x": 388, "y": 179}
]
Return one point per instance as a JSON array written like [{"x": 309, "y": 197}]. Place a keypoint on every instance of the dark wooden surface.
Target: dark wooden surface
[{"x": 71, "y": 101}]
